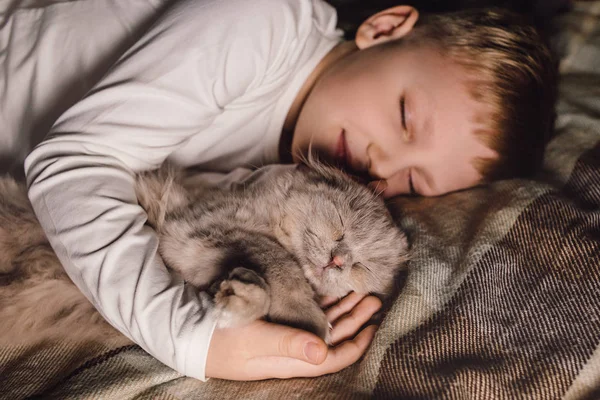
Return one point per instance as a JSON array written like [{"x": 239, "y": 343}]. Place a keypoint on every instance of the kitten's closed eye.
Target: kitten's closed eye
[{"x": 361, "y": 265}]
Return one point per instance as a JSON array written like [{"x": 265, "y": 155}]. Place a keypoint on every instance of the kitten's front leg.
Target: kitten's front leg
[
  {"x": 288, "y": 297},
  {"x": 303, "y": 314},
  {"x": 293, "y": 302},
  {"x": 241, "y": 298}
]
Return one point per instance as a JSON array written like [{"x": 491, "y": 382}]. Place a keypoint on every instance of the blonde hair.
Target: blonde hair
[{"x": 510, "y": 69}]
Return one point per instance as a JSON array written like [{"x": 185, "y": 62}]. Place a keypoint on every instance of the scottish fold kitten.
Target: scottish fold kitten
[
  {"x": 268, "y": 246},
  {"x": 271, "y": 246}
]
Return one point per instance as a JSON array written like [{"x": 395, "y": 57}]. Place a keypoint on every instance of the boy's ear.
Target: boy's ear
[{"x": 386, "y": 25}]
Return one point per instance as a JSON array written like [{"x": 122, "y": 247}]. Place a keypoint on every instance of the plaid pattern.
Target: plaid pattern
[
  {"x": 502, "y": 300},
  {"x": 525, "y": 319}
]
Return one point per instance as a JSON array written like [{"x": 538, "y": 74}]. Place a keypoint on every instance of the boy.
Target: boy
[{"x": 225, "y": 84}]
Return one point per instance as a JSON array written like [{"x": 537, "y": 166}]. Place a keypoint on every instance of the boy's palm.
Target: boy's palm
[{"x": 264, "y": 350}]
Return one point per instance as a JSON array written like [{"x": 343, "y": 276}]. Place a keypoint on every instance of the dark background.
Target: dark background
[{"x": 540, "y": 12}]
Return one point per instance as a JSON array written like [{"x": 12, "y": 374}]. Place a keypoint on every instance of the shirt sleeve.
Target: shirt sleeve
[{"x": 168, "y": 87}]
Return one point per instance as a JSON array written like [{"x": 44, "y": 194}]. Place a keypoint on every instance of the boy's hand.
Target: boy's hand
[{"x": 264, "y": 350}]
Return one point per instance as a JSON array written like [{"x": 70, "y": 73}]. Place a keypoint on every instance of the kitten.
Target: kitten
[
  {"x": 271, "y": 246},
  {"x": 38, "y": 301},
  {"x": 266, "y": 247}
]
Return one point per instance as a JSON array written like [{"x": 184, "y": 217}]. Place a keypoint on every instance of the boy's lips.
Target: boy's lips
[{"x": 343, "y": 160}]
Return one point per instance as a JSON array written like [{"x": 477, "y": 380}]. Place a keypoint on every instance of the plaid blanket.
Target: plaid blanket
[{"x": 502, "y": 300}]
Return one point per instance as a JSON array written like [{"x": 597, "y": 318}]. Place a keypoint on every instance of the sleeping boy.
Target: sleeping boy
[{"x": 420, "y": 105}]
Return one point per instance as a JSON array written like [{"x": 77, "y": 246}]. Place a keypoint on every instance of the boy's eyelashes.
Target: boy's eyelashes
[
  {"x": 403, "y": 111},
  {"x": 405, "y": 132}
]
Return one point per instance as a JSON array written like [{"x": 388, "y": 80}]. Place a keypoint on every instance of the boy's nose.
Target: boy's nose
[
  {"x": 381, "y": 163},
  {"x": 391, "y": 167}
]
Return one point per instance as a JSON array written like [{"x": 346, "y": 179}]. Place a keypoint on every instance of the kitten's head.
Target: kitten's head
[{"x": 341, "y": 233}]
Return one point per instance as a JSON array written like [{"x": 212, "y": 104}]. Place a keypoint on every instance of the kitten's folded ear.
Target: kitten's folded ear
[{"x": 302, "y": 167}]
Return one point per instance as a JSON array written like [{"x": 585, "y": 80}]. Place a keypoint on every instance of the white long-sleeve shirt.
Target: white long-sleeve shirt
[
  {"x": 209, "y": 84},
  {"x": 51, "y": 53}
]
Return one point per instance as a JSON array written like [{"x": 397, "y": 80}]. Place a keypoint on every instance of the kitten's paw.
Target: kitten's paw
[
  {"x": 241, "y": 299},
  {"x": 323, "y": 329},
  {"x": 318, "y": 324},
  {"x": 327, "y": 337}
]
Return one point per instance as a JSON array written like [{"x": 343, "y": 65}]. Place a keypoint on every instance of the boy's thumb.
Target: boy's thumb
[
  {"x": 314, "y": 352},
  {"x": 301, "y": 345}
]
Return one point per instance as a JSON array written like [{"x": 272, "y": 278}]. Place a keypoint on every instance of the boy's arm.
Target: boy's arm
[
  {"x": 156, "y": 97},
  {"x": 167, "y": 88}
]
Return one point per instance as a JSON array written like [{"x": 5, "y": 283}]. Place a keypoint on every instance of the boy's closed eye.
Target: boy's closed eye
[
  {"x": 407, "y": 137},
  {"x": 405, "y": 118},
  {"x": 403, "y": 112}
]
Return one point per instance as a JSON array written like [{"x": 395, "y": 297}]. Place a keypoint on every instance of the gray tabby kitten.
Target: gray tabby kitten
[
  {"x": 271, "y": 246},
  {"x": 266, "y": 247}
]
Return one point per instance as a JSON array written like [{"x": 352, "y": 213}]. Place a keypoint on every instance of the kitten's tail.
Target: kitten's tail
[
  {"x": 38, "y": 302},
  {"x": 19, "y": 228},
  {"x": 160, "y": 192}
]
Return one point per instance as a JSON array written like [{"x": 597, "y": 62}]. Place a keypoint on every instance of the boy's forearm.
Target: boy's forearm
[{"x": 88, "y": 209}]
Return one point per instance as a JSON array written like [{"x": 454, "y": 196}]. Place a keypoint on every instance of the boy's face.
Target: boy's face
[{"x": 400, "y": 113}]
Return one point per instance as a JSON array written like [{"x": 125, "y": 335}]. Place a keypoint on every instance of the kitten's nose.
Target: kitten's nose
[
  {"x": 340, "y": 256},
  {"x": 337, "y": 260}
]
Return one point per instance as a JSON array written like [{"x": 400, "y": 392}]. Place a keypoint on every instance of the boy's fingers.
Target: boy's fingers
[
  {"x": 347, "y": 326},
  {"x": 343, "y": 306},
  {"x": 327, "y": 301},
  {"x": 267, "y": 350},
  {"x": 343, "y": 355},
  {"x": 337, "y": 359},
  {"x": 348, "y": 352},
  {"x": 283, "y": 341}
]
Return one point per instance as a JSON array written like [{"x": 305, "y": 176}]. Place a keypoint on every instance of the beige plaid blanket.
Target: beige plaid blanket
[{"x": 502, "y": 300}]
